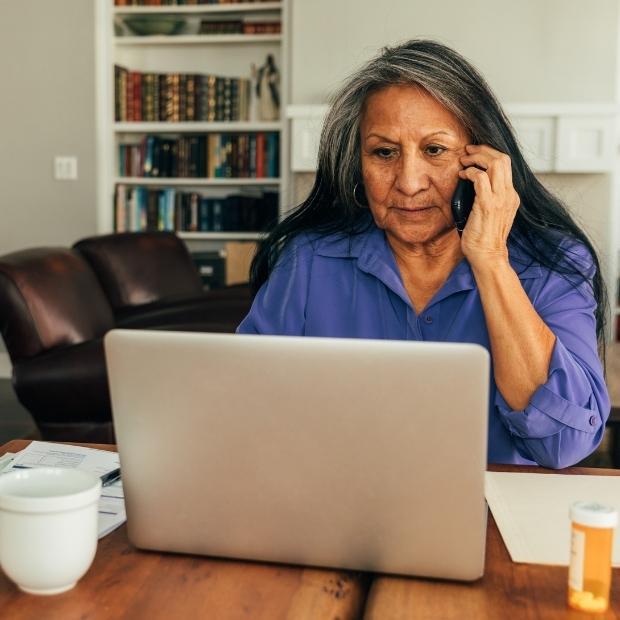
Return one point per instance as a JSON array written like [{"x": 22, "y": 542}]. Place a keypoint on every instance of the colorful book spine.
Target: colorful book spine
[
  {"x": 142, "y": 209},
  {"x": 213, "y": 155},
  {"x": 175, "y": 97}
]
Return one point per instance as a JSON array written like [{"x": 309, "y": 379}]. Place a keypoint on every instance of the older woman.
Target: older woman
[{"x": 373, "y": 252}]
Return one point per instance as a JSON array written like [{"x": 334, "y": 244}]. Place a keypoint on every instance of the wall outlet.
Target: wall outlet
[{"x": 65, "y": 168}]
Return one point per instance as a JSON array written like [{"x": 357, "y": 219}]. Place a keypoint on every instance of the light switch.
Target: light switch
[{"x": 65, "y": 168}]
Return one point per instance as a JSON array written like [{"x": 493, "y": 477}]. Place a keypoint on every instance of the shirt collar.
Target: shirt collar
[{"x": 375, "y": 257}]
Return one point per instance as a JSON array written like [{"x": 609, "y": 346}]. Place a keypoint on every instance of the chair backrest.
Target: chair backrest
[
  {"x": 141, "y": 268},
  {"x": 49, "y": 297}
]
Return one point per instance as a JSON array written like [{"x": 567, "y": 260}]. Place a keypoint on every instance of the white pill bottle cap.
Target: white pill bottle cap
[{"x": 593, "y": 514}]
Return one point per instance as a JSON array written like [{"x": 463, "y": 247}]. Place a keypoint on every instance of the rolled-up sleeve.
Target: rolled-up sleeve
[
  {"x": 565, "y": 418},
  {"x": 279, "y": 307}
]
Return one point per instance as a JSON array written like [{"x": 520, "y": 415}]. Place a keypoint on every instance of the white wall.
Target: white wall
[
  {"x": 587, "y": 197},
  {"x": 47, "y": 108},
  {"x": 529, "y": 50}
]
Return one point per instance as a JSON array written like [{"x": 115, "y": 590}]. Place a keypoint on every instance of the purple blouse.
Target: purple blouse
[{"x": 341, "y": 287}]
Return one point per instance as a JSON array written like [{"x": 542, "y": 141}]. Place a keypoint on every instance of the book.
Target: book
[
  {"x": 175, "y": 97},
  {"x": 214, "y": 155},
  {"x": 142, "y": 208}
]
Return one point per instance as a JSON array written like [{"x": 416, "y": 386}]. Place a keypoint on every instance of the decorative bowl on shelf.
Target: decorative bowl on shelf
[{"x": 144, "y": 26}]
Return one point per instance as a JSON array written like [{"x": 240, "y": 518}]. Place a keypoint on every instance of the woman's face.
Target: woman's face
[{"x": 410, "y": 148}]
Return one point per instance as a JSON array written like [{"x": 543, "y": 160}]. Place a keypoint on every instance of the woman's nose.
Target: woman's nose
[{"x": 413, "y": 174}]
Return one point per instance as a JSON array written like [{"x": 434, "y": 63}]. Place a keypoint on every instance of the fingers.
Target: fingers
[
  {"x": 481, "y": 181},
  {"x": 486, "y": 198},
  {"x": 497, "y": 165}
]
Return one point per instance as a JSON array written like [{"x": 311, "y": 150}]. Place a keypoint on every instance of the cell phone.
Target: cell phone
[{"x": 462, "y": 203}]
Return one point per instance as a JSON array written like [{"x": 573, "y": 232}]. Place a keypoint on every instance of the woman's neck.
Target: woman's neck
[
  {"x": 439, "y": 256},
  {"x": 424, "y": 267}
]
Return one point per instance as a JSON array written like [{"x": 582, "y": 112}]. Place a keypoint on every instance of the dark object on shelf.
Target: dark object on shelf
[
  {"x": 212, "y": 269},
  {"x": 143, "y": 208},
  {"x": 154, "y": 25},
  {"x": 228, "y": 26},
  {"x": 56, "y": 304}
]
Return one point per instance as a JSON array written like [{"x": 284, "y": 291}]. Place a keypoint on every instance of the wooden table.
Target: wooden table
[
  {"x": 507, "y": 590},
  {"x": 126, "y": 583}
]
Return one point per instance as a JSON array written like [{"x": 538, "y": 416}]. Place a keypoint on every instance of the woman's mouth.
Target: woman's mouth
[{"x": 413, "y": 212}]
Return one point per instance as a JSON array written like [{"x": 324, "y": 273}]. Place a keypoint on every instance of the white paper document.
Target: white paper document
[
  {"x": 111, "y": 508},
  {"x": 98, "y": 462},
  {"x": 46, "y": 454},
  {"x": 532, "y": 512},
  {"x": 6, "y": 460}
]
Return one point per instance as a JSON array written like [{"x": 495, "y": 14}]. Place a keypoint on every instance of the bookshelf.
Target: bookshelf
[{"x": 189, "y": 52}]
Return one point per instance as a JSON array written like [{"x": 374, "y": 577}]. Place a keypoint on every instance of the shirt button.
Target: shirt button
[
  {"x": 428, "y": 318},
  {"x": 592, "y": 420}
]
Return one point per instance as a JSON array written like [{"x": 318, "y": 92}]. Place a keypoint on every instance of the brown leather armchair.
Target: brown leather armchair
[
  {"x": 151, "y": 281},
  {"x": 56, "y": 304},
  {"x": 53, "y": 315}
]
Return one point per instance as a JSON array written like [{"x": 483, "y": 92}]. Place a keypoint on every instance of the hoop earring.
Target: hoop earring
[{"x": 357, "y": 202}]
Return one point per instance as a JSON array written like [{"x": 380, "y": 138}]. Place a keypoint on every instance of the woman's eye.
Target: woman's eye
[
  {"x": 384, "y": 153},
  {"x": 435, "y": 149}
]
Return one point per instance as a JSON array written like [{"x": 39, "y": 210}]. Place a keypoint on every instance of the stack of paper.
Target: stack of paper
[
  {"x": 111, "y": 508},
  {"x": 99, "y": 462},
  {"x": 531, "y": 512}
]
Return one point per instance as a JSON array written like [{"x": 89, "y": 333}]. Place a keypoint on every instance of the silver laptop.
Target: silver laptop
[{"x": 344, "y": 453}]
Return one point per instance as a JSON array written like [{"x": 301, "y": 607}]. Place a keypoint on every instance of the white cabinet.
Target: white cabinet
[
  {"x": 584, "y": 143},
  {"x": 535, "y": 135},
  {"x": 565, "y": 137}
]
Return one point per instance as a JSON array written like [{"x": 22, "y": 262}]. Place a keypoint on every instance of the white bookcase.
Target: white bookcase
[{"x": 227, "y": 55}]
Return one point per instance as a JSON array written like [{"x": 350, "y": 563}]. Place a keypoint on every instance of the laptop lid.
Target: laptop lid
[{"x": 359, "y": 454}]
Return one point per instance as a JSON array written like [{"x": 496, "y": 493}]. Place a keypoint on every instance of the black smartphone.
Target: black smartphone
[{"x": 462, "y": 202}]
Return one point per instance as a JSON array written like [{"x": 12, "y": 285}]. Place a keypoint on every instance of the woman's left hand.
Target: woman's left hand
[{"x": 489, "y": 223}]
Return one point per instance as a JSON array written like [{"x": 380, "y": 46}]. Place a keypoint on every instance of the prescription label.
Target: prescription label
[{"x": 577, "y": 550}]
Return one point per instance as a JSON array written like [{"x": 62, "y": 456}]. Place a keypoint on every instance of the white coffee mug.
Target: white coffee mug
[{"x": 48, "y": 527}]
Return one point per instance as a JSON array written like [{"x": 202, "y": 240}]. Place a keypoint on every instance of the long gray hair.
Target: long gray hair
[
  {"x": 446, "y": 75},
  {"x": 332, "y": 206}
]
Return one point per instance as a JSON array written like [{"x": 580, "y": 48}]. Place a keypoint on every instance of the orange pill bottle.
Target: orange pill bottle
[{"x": 589, "y": 573}]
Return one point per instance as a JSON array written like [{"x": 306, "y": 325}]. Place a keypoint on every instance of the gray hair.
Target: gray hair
[
  {"x": 541, "y": 220},
  {"x": 441, "y": 71}
]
